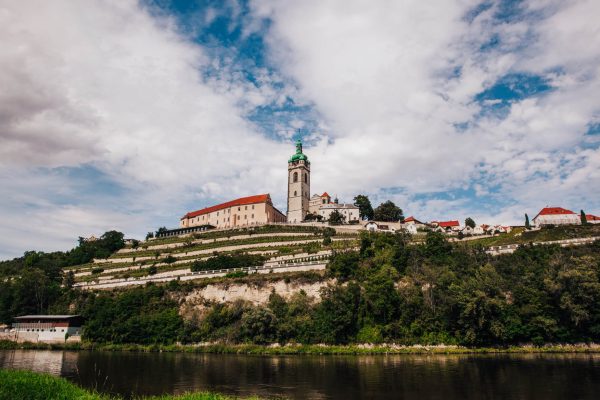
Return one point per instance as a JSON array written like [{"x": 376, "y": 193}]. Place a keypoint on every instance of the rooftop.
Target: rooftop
[
  {"x": 298, "y": 156},
  {"x": 48, "y": 316},
  {"x": 242, "y": 201}
]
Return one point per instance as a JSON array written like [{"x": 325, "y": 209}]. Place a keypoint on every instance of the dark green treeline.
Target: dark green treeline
[{"x": 388, "y": 291}]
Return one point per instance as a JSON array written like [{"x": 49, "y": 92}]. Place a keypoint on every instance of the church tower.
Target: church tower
[{"x": 298, "y": 185}]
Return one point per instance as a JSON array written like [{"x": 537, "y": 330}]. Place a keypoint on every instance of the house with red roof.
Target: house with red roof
[
  {"x": 412, "y": 225},
  {"x": 592, "y": 219},
  {"x": 245, "y": 211},
  {"x": 452, "y": 226},
  {"x": 555, "y": 216}
]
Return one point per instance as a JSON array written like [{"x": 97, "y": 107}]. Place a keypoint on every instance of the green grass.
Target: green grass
[
  {"x": 27, "y": 385},
  {"x": 318, "y": 349}
]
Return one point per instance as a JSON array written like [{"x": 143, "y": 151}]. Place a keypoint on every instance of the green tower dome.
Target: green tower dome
[{"x": 299, "y": 155}]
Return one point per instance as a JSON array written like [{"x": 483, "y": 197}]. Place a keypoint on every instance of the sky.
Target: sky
[{"x": 123, "y": 114}]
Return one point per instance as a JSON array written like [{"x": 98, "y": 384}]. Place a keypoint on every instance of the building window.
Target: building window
[
  {"x": 252, "y": 216},
  {"x": 295, "y": 177},
  {"x": 305, "y": 178},
  {"x": 295, "y": 193},
  {"x": 239, "y": 208},
  {"x": 253, "y": 206},
  {"x": 245, "y": 217},
  {"x": 217, "y": 213}
]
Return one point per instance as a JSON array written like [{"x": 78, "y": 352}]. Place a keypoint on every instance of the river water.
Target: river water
[{"x": 448, "y": 377}]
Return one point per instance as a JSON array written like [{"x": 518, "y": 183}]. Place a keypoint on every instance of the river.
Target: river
[{"x": 448, "y": 377}]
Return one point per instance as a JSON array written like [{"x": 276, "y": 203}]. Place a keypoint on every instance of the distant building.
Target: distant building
[
  {"x": 47, "y": 328},
  {"x": 298, "y": 186},
  {"x": 446, "y": 226},
  {"x": 412, "y": 225},
  {"x": 592, "y": 219},
  {"x": 240, "y": 212},
  {"x": 556, "y": 216},
  {"x": 349, "y": 211},
  {"x": 316, "y": 201}
]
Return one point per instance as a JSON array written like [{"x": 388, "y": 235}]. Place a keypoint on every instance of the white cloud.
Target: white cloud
[
  {"x": 384, "y": 78},
  {"x": 104, "y": 83},
  {"x": 108, "y": 84}
]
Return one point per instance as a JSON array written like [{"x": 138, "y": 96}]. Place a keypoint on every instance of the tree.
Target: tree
[
  {"x": 69, "y": 280},
  {"x": 388, "y": 212},
  {"x": 149, "y": 235},
  {"x": 365, "y": 209},
  {"x": 336, "y": 218},
  {"x": 527, "y": 224},
  {"x": 469, "y": 222},
  {"x": 583, "y": 218}
]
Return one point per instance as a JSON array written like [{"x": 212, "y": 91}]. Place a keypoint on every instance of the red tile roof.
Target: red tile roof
[
  {"x": 242, "y": 201},
  {"x": 447, "y": 224},
  {"x": 412, "y": 219},
  {"x": 554, "y": 211},
  {"x": 325, "y": 194},
  {"x": 591, "y": 217}
]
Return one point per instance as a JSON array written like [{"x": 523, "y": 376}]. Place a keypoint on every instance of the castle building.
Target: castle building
[
  {"x": 298, "y": 186},
  {"x": 350, "y": 212},
  {"x": 316, "y": 201},
  {"x": 245, "y": 211}
]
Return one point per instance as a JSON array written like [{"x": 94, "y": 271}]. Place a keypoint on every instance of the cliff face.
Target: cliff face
[{"x": 256, "y": 293}]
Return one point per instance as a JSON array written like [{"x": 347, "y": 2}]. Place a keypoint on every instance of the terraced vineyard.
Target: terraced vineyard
[{"x": 283, "y": 249}]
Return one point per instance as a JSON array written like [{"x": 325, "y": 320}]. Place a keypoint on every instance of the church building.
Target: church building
[{"x": 298, "y": 186}]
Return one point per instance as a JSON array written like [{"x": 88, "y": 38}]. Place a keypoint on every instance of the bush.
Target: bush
[
  {"x": 169, "y": 259},
  {"x": 220, "y": 261},
  {"x": 98, "y": 270}
]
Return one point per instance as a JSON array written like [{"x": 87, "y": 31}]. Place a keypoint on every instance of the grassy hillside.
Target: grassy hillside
[{"x": 523, "y": 236}]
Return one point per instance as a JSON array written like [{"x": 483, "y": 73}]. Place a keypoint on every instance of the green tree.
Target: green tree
[
  {"x": 336, "y": 218},
  {"x": 259, "y": 325},
  {"x": 527, "y": 224},
  {"x": 343, "y": 265},
  {"x": 470, "y": 222},
  {"x": 583, "y": 218},
  {"x": 365, "y": 209},
  {"x": 69, "y": 280},
  {"x": 336, "y": 317},
  {"x": 388, "y": 212}
]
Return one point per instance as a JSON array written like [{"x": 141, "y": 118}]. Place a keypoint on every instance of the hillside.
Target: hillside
[
  {"x": 375, "y": 288},
  {"x": 264, "y": 249}
]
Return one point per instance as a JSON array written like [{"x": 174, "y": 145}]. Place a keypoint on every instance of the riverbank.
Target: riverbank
[
  {"x": 26, "y": 385},
  {"x": 296, "y": 349}
]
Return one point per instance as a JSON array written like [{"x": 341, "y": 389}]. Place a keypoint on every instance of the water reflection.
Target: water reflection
[{"x": 527, "y": 376}]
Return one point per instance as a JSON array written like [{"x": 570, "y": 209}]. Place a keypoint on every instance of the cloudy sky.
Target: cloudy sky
[{"x": 124, "y": 114}]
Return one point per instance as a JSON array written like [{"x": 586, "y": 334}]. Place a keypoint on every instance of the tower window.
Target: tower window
[
  {"x": 295, "y": 193},
  {"x": 305, "y": 178},
  {"x": 295, "y": 177}
]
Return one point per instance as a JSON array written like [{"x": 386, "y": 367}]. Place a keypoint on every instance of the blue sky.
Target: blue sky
[{"x": 125, "y": 115}]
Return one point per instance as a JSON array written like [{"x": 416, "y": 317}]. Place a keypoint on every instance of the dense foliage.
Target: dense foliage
[
  {"x": 227, "y": 261},
  {"x": 430, "y": 293},
  {"x": 389, "y": 290},
  {"x": 32, "y": 284}
]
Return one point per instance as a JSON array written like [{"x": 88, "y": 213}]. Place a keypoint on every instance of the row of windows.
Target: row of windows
[
  {"x": 43, "y": 330},
  {"x": 238, "y": 218},
  {"x": 226, "y": 211}
]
